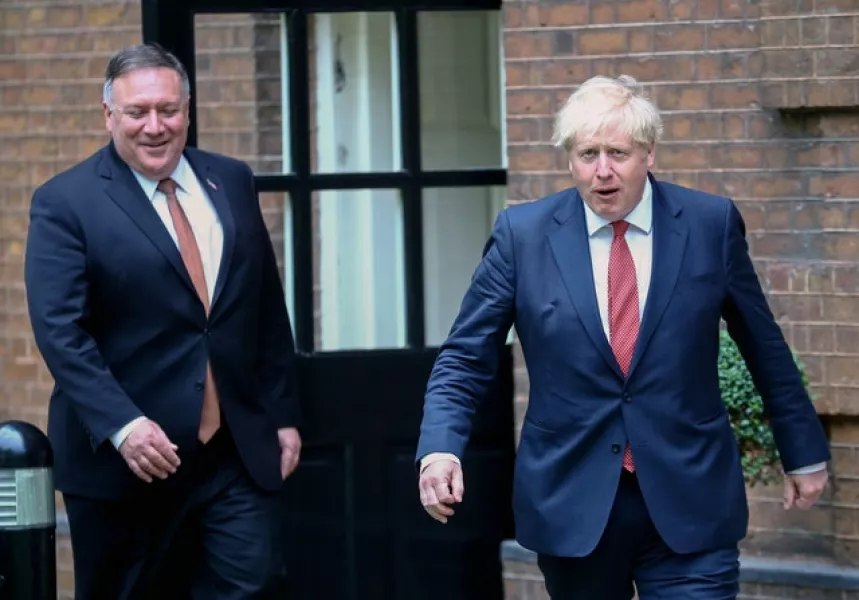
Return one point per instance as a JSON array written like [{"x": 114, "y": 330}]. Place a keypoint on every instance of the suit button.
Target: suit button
[
  {"x": 198, "y": 386},
  {"x": 615, "y": 448},
  {"x": 206, "y": 332},
  {"x": 627, "y": 397}
]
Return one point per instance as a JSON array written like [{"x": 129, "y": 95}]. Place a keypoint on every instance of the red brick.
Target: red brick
[
  {"x": 638, "y": 11},
  {"x": 682, "y": 10},
  {"x": 733, "y": 36},
  {"x": 833, "y": 185},
  {"x": 527, "y": 44},
  {"x": 602, "y": 42},
  {"x": 530, "y": 102},
  {"x": 562, "y": 71},
  {"x": 560, "y": 15},
  {"x": 603, "y": 12},
  {"x": 679, "y": 37}
]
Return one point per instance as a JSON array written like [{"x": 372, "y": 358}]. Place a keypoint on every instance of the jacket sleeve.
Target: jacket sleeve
[
  {"x": 55, "y": 274},
  {"x": 797, "y": 430},
  {"x": 276, "y": 353},
  {"x": 468, "y": 359}
]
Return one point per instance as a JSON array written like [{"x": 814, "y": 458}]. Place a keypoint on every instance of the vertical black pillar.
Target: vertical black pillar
[{"x": 170, "y": 23}]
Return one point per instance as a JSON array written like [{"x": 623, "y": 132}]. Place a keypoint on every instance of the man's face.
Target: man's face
[
  {"x": 609, "y": 171},
  {"x": 148, "y": 120}
]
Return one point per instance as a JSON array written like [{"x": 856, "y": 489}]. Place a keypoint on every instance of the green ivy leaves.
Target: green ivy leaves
[{"x": 759, "y": 456}]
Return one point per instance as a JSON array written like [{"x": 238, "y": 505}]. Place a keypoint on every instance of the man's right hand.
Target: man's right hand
[
  {"x": 441, "y": 484},
  {"x": 148, "y": 452}
]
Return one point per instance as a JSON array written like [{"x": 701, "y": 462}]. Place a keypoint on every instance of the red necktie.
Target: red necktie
[
  {"x": 622, "y": 307},
  {"x": 210, "y": 419}
]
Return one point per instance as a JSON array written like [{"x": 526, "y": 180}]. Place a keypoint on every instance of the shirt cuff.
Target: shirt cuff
[
  {"x": 435, "y": 457},
  {"x": 117, "y": 438},
  {"x": 809, "y": 469}
]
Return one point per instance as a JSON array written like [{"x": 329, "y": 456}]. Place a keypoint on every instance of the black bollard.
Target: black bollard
[{"x": 28, "y": 560}]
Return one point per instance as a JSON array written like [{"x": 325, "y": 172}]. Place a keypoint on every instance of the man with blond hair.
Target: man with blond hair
[{"x": 628, "y": 475}]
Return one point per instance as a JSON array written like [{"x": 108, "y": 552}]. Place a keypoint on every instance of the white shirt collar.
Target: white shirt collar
[
  {"x": 641, "y": 216},
  {"x": 182, "y": 175}
]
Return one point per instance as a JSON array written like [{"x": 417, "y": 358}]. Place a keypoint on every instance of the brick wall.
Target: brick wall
[
  {"x": 52, "y": 61},
  {"x": 760, "y": 103}
]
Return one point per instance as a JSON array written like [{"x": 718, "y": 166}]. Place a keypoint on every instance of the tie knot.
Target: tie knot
[
  {"x": 167, "y": 187},
  {"x": 620, "y": 228}
]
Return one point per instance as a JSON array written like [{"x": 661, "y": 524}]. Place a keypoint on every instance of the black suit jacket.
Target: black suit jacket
[{"x": 124, "y": 334}]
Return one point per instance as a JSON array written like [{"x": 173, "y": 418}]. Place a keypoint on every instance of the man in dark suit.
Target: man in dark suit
[
  {"x": 156, "y": 303},
  {"x": 627, "y": 471}
]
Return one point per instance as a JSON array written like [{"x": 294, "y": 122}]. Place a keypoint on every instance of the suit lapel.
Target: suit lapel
[
  {"x": 669, "y": 245},
  {"x": 569, "y": 243},
  {"x": 212, "y": 184},
  {"x": 124, "y": 189}
]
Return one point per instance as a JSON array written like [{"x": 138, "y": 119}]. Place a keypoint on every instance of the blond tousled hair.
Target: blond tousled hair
[{"x": 603, "y": 103}]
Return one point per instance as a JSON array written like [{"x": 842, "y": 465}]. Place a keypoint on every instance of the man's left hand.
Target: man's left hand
[
  {"x": 290, "y": 450},
  {"x": 802, "y": 490}
]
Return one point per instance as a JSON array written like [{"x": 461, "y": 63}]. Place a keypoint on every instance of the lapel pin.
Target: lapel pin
[{"x": 212, "y": 184}]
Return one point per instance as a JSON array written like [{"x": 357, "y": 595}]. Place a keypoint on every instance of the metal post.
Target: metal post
[{"x": 28, "y": 559}]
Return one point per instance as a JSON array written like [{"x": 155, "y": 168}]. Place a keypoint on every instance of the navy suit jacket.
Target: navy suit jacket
[
  {"x": 124, "y": 334},
  {"x": 536, "y": 274}
]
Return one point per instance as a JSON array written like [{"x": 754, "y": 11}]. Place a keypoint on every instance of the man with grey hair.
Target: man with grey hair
[
  {"x": 628, "y": 476},
  {"x": 156, "y": 303}
]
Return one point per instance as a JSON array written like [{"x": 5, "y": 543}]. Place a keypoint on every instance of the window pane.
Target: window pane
[
  {"x": 242, "y": 98},
  {"x": 457, "y": 223},
  {"x": 462, "y": 112},
  {"x": 359, "y": 269},
  {"x": 354, "y": 93},
  {"x": 277, "y": 212}
]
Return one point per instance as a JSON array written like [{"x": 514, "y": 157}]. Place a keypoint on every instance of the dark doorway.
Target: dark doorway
[{"x": 375, "y": 129}]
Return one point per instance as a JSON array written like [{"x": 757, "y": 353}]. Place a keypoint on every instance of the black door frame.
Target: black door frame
[
  {"x": 170, "y": 21},
  {"x": 363, "y": 407}
]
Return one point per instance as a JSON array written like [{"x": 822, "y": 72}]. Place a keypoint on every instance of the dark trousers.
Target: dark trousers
[
  {"x": 213, "y": 536},
  {"x": 631, "y": 550}
]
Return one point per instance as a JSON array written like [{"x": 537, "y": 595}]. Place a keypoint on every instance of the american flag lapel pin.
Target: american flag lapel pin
[{"x": 212, "y": 184}]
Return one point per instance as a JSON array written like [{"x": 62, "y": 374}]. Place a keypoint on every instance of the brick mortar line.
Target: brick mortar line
[
  {"x": 78, "y": 30},
  {"x": 711, "y": 170},
  {"x": 95, "y": 54},
  {"x": 54, "y": 81},
  {"x": 635, "y": 25},
  {"x": 812, "y": 47},
  {"x": 655, "y": 53},
  {"x": 702, "y": 111},
  {"x": 698, "y": 82},
  {"x": 811, "y": 16},
  {"x": 814, "y": 230},
  {"x": 709, "y": 82},
  {"x": 736, "y": 142},
  {"x": 794, "y": 530},
  {"x": 793, "y": 200}
]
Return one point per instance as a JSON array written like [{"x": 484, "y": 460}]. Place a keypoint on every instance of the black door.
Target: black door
[{"x": 375, "y": 203}]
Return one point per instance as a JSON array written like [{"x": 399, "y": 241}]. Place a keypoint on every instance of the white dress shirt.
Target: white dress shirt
[
  {"x": 639, "y": 238},
  {"x": 205, "y": 224}
]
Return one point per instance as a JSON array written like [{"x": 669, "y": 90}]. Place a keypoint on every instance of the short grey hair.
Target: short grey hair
[
  {"x": 608, "y": 102},
  {"x": 142, "y": 56}
]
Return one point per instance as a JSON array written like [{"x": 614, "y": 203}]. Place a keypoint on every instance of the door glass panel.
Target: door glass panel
[
  {"x": 461, "y": 90},
  {"x": 277, "y": 213},
  {"x": 457, "y": 223},
  {"x": 354, "y": 93},
  {"x": 359, "y": 269},
  {"x": 242, "y": 88}
]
